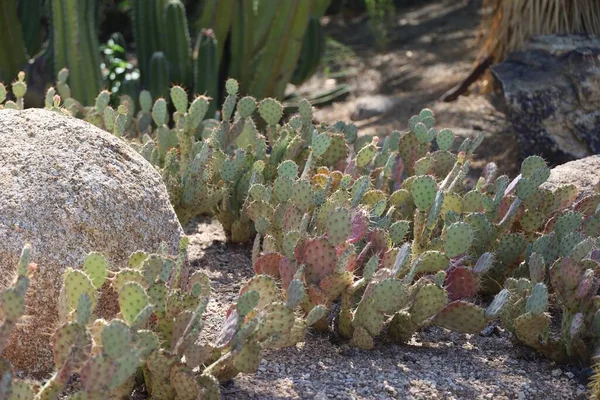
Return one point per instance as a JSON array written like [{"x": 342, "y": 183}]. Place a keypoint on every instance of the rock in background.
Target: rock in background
[
  {"x": 552, "y": 94},
  {"x": 69, "y": 188}
]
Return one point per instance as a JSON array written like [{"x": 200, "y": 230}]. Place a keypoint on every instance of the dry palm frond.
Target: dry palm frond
[
  {"x": 508, "y": 24},
  {"x": 594, "y": 384}
]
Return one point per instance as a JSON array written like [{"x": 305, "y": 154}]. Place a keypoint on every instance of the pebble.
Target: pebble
[{"x": 556, "y": 372}]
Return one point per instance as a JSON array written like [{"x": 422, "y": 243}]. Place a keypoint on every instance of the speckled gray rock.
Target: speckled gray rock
[
  {"x": 367, "y": 107},
  {"x": 552, "y": 95},
  {"x": 69, "y": 188},
  {"x": 584, "y": 173}
]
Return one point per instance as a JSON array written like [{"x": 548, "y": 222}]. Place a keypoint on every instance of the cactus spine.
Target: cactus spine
[{"x": 76, "y": 46}]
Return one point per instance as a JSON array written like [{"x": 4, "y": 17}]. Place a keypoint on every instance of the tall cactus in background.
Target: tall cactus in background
[
  {"x": 159, "y": 71},
  {"x": 312, "y": 51},
  {"x": 206, "y": 68},
  {"x": 30, "y": 16},
  {"x": 76, "y": 46},
  {"x": 12, "y": 46},
  {"x": 145, "y": 32},
  {"x": 176, "y": 44},
  {"x": 217, "y": 15},
  {"x": 282, "y": 49},
  {"x": 267, "y": 38}
]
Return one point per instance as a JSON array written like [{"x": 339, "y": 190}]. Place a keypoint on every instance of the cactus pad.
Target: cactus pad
[
  {"x": 339, "y": 226},
  {"x": 458, "y": 239},
  {"x": 424, "y": 190},
  {"x": 132, "y": 299},
  {"x": 461, "y": 316}
]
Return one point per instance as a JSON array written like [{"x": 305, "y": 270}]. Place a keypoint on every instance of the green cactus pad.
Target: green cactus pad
[
  {"x": 547, "y": 246},
  {"x": 430, "y": 261},
  {"x": 157, "y": 294},
  {"x": 424, "y": 190},
  {"x": 423, "y": 165},
  {"x": 271, "y": 111},
  {"x": 179, "y": 98},
  {"x": 159, "y": 112},
  {"x": 151, "y": 268},
  {"x": 198, "y": 110},
  {"x": 295, "y": 293},
  {"x": 246, "y": 106},
  {"x": 247, "y": 302},
  {"x": 132, "y": 299},
  {"x": 316, "y": 314},
  {"x": 12, "y": 304},
  {"x": 84, "y": 310},
  {"x": 537, "y": 302},
  {"x": 320, "y": 144},
  {"x": 452, "y": 202},
  {"x": 183, "y": 381},
  {"x": 362, "y": 339},
  {"x": 461, "y": 316},
  {"x": 283, "y": 188},
  {"x": 388, "y": 295},
  {"x": 532, "y": 164},
  {"x": 302, "y": 195},
  {"x": 421, "y": 132},
  {"x": 532, "y": 220},
  {"x": 339, "y": 226},
  {"x": 564, "y": 196},
  {"x": 136, "y": 259},
  {"x": 116, "y": 339},
  {"x": 70, "y": 342},
  {"x": 337, "y": 150},
  {"x": 581, "y": 249},
  {"x": 277, "y": 320},
  {"x": 569, "y": 243},
  {"x": 333, "y": 285},
  {"x": 75, "y": 284},
  {"x": 265, "y": 286},
  {"x": 445, "y": 139},
  {"x": 567, "y": 223},
  {"x": 458, "y": 239},
  {"x": 401, "y": 328},
  {"x": 429, "y": 301},
  {"x": 497, "y": 305},
  {"x": 531, "y": 328},
  {"x": 510, "y": 247},
  {"x": 365, "y": 155},
  {"x": 398, "y": 231}
]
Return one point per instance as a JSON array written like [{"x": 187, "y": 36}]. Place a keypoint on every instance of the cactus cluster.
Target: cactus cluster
[
  {"x": 362, "y": 236},
  {"x": 396, "y": 242},
  {"x": 157, "y": 337}
]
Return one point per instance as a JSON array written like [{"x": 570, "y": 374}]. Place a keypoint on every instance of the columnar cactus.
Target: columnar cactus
[{"x": 76, "y": 46}]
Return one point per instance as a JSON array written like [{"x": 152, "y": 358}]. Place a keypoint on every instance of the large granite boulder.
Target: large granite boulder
[
  {"x": 552, "y": 94},
  {"x": 69, "y": 188},
  {"x": 584, "y": 174}
]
